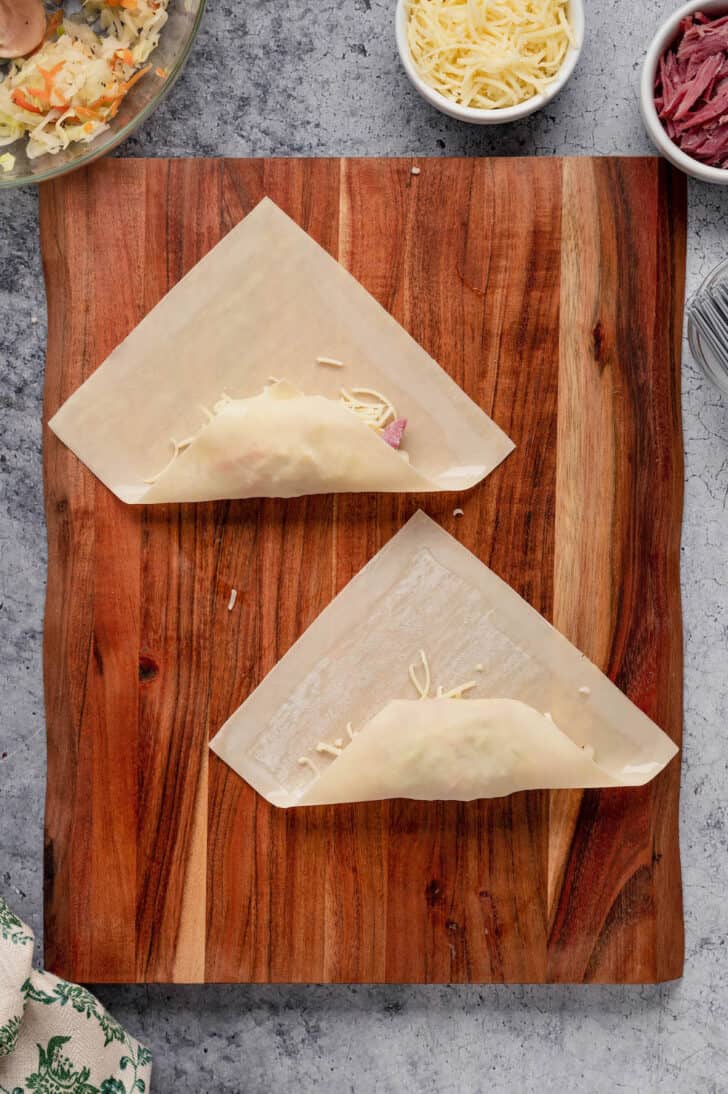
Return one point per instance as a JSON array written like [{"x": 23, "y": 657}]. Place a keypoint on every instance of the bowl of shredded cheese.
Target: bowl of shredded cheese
[
  {"x": 489, "y": 61},
  {"x": 100, "y": 69}
]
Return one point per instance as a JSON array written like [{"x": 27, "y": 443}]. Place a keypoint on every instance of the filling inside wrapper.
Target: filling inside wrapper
[
  {"x": 283, "y": 444},
  {"x": 495, "y": 701},
  {"x": 268, "y": 300}
]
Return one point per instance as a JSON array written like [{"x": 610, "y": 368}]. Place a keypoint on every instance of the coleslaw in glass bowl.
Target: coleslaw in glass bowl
[{"x": 98, "y": 73}]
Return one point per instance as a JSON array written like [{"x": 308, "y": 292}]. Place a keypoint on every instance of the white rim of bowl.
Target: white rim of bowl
[
  {"x": 503, "y": 113},
  {"x": 665, "y": 35}
]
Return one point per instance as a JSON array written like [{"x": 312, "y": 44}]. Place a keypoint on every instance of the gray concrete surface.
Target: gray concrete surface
[{"x": 322, "y": 77}]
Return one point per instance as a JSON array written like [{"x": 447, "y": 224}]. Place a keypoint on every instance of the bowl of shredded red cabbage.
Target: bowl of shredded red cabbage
[{"x": 100, "y": 69}]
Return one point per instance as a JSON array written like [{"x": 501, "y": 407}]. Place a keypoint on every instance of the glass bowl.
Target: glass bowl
[
  {"x": 175, "y": 43},
  {"x": 712, "y": 359}
]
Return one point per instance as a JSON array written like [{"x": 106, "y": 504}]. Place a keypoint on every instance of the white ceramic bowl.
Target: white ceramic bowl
[
  {"x": 506, "y": 113},
  {"x": 664, "y": 38}
]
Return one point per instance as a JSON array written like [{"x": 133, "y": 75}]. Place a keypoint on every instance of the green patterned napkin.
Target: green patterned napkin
[{"x": 55, "y": 1037}]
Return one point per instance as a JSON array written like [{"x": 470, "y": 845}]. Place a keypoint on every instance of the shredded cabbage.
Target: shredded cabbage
[{"x": 70, "y": 88}]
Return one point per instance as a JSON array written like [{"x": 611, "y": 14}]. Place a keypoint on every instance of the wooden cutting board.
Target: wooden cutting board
[{"x": 552, "y": 291}]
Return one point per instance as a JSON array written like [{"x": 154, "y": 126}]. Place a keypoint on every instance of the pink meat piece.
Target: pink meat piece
[
  {"x": 669, "y": 80},
  {"x": 714, "y": 148},
  {"x": 699, "y": 85},
  {"x": 717, "y": 106},
  {"x": 394, "y": 432},
  {"x": 702, "y": 42},
  {"x": 722, "y": 22},
  {"x": 711, "y": 88},
  {"x": 693, "y": 67},
  {"x": 710, "y": 146}
]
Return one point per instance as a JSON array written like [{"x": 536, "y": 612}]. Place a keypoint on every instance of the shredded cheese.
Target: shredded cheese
[
  {"x": 457, "y": 693},
  {"x": 424, "y": 687},
  {"x": 233, "y": 598},
  {"x": 7, "y": 162},
  {"x": 178, "y": 447},
  {"x": 371, "y": 406},
  {"x": 328, "y": 750},
  {"x": 330, "y": 361},
  {"x": 304, "y": 761},
  {"x": 488, "y": 54}
]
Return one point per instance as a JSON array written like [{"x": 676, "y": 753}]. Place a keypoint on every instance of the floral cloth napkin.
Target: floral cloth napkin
[{"x": 55, "y": 1037}]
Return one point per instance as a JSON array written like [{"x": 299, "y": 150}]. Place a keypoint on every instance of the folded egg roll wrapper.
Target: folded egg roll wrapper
[
  {"x": 268, "y": 301},
  {"x": 283, "y": 444},
  {"x": 426, "y": 591}
]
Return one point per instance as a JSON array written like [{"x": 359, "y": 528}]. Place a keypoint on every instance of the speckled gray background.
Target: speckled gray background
[{"x": 322, "y": 77}]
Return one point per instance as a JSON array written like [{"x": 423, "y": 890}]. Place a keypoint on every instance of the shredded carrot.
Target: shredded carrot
[
  {"x": 105, "y": 100},
  {"x": 161, "y": 73},
  {"x": 85, "y": 112},
  {"x": 134, "y": 79},
  {"x": 43, "y": 94},
  {"x": 125, "y": 56},
  {"x": 20, "y": 100},
  {"x": 89, "y": 127},
  {"x": 113, "y": 99}
]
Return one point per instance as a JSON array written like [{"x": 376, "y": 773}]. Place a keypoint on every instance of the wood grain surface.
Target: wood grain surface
[{"x": 552, "y": 291}]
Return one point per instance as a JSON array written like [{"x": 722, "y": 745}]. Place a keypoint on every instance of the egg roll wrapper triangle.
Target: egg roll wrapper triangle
[
  {"x": 269, "y": 301},
  {"x": 426, "y": 591}
]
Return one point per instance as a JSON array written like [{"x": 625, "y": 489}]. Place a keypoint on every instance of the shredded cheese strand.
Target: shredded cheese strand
[
  {"x": 371, "y": 406},
  {"x": 457, "y": 693},
  {"x": 422, "y": 688},
  {"x": 328, "y": 750}
]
